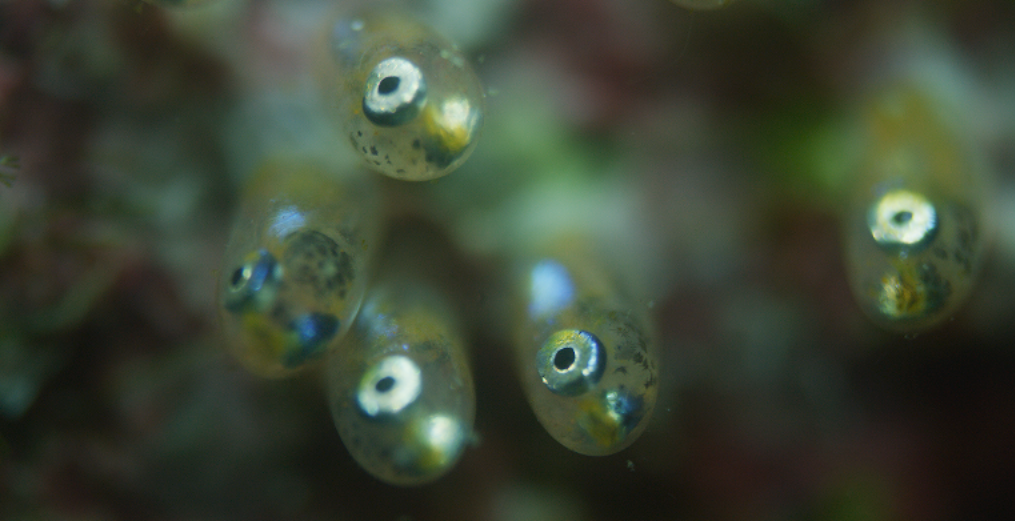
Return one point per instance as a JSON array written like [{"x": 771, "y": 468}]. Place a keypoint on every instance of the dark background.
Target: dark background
[{"x": 780, "y": 400}]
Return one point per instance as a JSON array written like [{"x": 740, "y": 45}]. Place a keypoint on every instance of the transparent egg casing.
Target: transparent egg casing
[
  {"x": 585, "y": 356},
  {"x": 401, "y": 390},
  {"x": 406, "y": 98},
  {"x": 915, "y": 234},
  {"x": 294, "y": 270}
]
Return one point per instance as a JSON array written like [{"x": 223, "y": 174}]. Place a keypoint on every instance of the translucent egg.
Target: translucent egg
[
  {"x": 401, "y": 391},
  {"x": 407, "y": 99},
  {"x": 587, "y": 363},
  {"x": 295, "y": 266},
  {"x": 915, "y": 232}
]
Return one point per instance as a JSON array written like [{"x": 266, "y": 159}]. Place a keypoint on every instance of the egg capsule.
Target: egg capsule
[
  {"x": 401, "y": 391},
  {"x": 587, "y": 363},
  {"x": 407, "y": 99},
  {"x": 915, "y": 232},
  {"x": 294, "y": 268}
]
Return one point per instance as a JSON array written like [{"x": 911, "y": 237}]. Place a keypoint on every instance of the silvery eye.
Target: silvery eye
[
  {"x": 571, "y": 362},
  {"x": 394, "y": 93},
  {"x": 902, "y": 219}
]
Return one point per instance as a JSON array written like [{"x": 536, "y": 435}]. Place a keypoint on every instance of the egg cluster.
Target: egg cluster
[
  {"x": 262, "y": 259},
  {"x": 299, "y": 265},
  {"x": 302, "y": 261}
]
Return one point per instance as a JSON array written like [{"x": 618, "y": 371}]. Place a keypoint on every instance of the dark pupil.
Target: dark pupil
[
  {"x": 237, "y": 277},
  {"x": 385, "y": 384},
  {"x": 902, "y": 217},
  {"x": 563, "y": 358},
  {"x": 388, "y": 85}
]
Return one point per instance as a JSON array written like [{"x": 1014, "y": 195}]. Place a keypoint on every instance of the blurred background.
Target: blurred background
[{"x": 125, "y": 138}]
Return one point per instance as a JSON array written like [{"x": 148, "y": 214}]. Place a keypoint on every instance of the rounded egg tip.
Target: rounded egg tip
[
  {"x": 610, "y": 421},
  {"x": 431, "y": 446}
]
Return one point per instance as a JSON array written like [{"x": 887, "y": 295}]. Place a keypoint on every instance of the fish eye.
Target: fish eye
[
  {"x": 902, "y": 218},
  {"x": 389, "y": 387},
  {"x": 571, "y": 362},
  {"x": 254, "y": 284},
  {"x": 394, "y": 93},
  {"x": 240, "y": 277}
]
